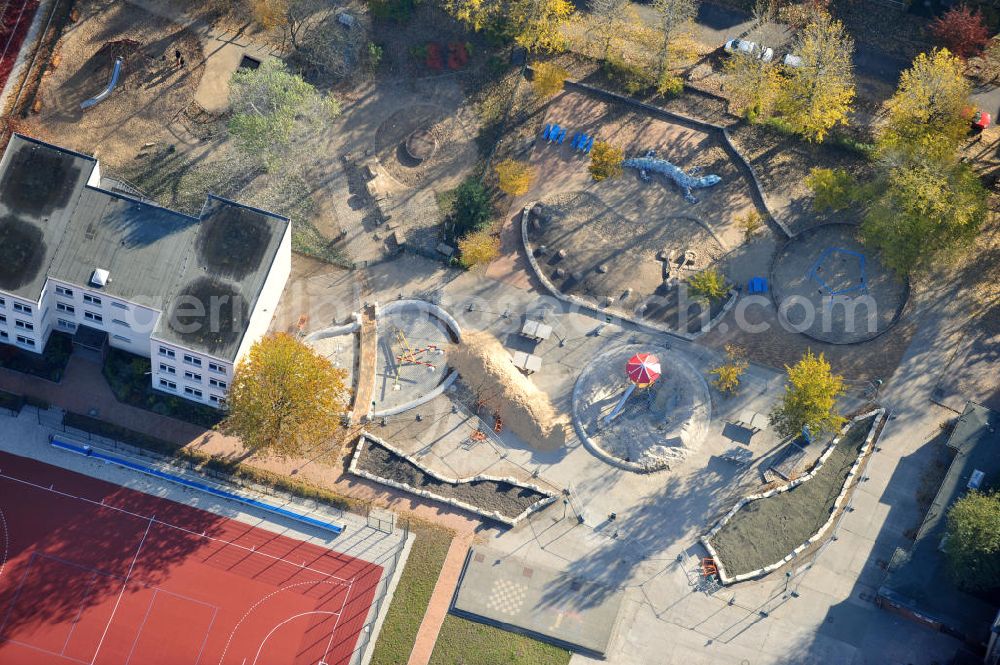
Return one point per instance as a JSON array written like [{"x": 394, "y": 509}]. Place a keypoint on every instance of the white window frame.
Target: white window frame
[
  {"x": 168, "y": 369},
  {"x": 169, "y": 385},
  {"x": 92, "y": 300},
  {"x": 167, "y": 353},
  {"x": 194, "y": 392},
  {"x": 92, "y": 316},
  {"x": 63, "y": 307},
  {"x": 26, "y": 341},
  {"x": 192, "y": 360},
  {"x": 24, "y": 309},
  {"x": 63, "y": 291}
]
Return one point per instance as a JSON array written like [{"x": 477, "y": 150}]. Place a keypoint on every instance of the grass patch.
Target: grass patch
[
  {"x": 49, "y": 364},
  {"x": 464, "y": 642},
  {"x": 128, "y": 376},
  {"x": 764, "y": 531},
  {"x": 11, "y": 402},
  {"x": 413, "y": 593}
]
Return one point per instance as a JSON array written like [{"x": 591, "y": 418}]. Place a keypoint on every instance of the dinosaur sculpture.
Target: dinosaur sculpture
[{"x": 651, "y": 163}]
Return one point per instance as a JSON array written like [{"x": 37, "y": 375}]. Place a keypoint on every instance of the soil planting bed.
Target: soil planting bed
[
  {"x": 488, "y": 495},
  {"x": 763, "y": 532}
]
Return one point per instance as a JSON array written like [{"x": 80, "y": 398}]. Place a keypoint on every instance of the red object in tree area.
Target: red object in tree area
[
  {"x": 458, "y": 56},
  {"x": 14, "y": 25},
  {"x": 981, "y": 120},
  {"x": 434, "y": 59},
  {"x": 643, "y": 369}
]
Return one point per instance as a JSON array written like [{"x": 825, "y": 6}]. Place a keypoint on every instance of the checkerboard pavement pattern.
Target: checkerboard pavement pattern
[{"x": 507, "y": 597}]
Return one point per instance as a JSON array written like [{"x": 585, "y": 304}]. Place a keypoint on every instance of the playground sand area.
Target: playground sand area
[
  {"x": 659, "y": 425},
  {"x": 412, "y": 357},
  {"x": 764, "y": 531},
  {"x": 151, "y": 92},
  {"x": 624, "y": 236},
  {"x": 833, "y": 289}
]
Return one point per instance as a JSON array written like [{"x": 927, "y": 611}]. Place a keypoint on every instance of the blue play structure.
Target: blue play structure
[
  {"x": 97, "y": 99},
  {"x": 554, "y": 133},
  {"x": 582, "y": 142},
  {"x": 87, "y": 451},
  {"x": 650, "y": 163},
  {"x": 757, "y": 285},
  {"x": 816, "y": 272}
]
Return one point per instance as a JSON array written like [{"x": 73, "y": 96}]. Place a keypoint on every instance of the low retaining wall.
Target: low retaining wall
[
  {"x": 450, "y": 378},
  {"x": 848, "y": 483},
  {"x": 336, "y": 331},
  {"x": 88, "y": 451},
  {"x": 353, "y": 468},
  {"x": 593, "y": 310}
]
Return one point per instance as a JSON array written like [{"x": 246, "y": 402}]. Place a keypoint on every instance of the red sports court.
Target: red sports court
[{"x": 98, "y": 574}]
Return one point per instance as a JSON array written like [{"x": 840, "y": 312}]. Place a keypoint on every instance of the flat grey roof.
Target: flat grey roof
[
  {"x": 919, "y": 579},
  {"x": 53, "y": 224}
]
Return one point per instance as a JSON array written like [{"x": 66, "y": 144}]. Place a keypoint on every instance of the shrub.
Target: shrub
[
  {"x": 750, "y": 223},
  {"x": 548, "y": 79},
  {"x": 670, "y": 85},
  {"x": 834, "y": 189},
  {"x": 479, "y": 248},
  {"x": 972, "y": 545},
  {"x": 632, "y": 77},
  {"x": 962, "y": 31},
  {"x": 515, "y": 177},
  {"x": 605, "y": 161},
  {"x": 727, "y": 375},
  {"x": 709, "y": 284},
  {"x": 472, "y": 207}
]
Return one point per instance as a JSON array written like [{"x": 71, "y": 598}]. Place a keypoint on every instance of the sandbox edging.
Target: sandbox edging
[
  {"x": 493, "y": 515},
  {"x": 591, "y": 309},
  {"x": 760, "y": 572}
]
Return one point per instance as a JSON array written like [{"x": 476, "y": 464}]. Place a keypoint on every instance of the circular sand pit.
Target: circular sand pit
[
  {"x": 658, "y": 426},
  {"x": 421, "y": 144},
  {"x": 412, "y": 359},
  {"x": 828, "y": 286}
]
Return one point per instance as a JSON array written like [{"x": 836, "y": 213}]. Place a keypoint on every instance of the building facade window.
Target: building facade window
[
  {"x": 192, "y": 391},
  {"x": 18, "y": 307},
  {"x": 120, "y": 322},
  {"x": 119, "y": 305},
  {"x": 66, "y": 325},
  {"x": 3, "y": 319},
  {"x": 191, "y": 360},
  {"x": 122, "y": 339},
  {"x": 27, "y": 341},
  {"x": 4, "y": 335},
  {"x": 167, "y": 353},
  {"x": 63, "y": 307},
  {"x": 167, "y": 369},
  {"x": 93, "y": 300},
  {"x": 169, "y": 385},
  {"x": 192, "y": 376},
  {"x": 217, "y": 399},
  {"x": 96, "y": 318},
  {"x": 3, "y": 302},
  {"x": 23, "y": 325},
  {"x": 63, "y": 291},
  {"x": 217, "y": 368},
  {"x": 217, "y": 383}
]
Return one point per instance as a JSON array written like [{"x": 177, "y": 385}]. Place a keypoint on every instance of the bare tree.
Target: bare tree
[
  {"x": 609, "y": 14},
  {"x": 327, "y": 40},
  {"x": 671, "y": 15}
]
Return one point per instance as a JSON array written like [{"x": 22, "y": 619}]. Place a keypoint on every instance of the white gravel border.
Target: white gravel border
[
  {"x": 760, "y": 572},
  {"x": 493, "y": 515}
]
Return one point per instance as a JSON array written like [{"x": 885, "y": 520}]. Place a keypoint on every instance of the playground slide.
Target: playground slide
[{"x": 97, "y": 99}]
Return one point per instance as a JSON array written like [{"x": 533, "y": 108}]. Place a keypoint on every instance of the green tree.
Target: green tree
[
  {"x": 472, "y": 209},
  {"x": 926, "y": 208},
  {"x": 972, "y": 543},
  {"x": 810, "y": 398},
  {"x": 709, "y": 284},
  {"x": 927, "y": 116},
  {"x": 819, "y": 92},
  {"x": 833, "y": 189},
  {"x": 285, "y": 398},
  {"x": 605, "y": 161},
  {"x": 275, "y": 111}
]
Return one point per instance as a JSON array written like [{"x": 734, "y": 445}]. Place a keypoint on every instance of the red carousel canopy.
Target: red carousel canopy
[{"x": 643, "y": 369}]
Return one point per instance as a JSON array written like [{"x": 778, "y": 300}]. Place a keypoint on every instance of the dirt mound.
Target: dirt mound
[{"x": 486, "y": 367}]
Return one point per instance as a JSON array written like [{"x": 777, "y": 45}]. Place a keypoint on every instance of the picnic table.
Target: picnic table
[
  {"x": 528, "y": 362},
  {"x": 536, "y": 330}
]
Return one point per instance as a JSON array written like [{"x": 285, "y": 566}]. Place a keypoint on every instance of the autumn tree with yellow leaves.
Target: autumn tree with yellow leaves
[
  {"x": 818, "y": 93},
  {"x": 515, "y": 177},
  {"x": 547, "y": 79},
  {"x": 479, "y": 248},
  {"x": 605, "y": 161},
  {"x": 753, "y": 87},
  {"x": 285, "y": 398},
  {"x": 810, "y": 398}
]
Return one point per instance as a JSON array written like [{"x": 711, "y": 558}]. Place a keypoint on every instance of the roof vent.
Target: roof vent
[{"x": 100, "y": 277}]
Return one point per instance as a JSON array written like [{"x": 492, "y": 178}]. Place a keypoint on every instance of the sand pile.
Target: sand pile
[{"x": 487, "y": 368}]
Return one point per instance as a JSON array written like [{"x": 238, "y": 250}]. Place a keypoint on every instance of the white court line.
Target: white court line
[
  {"x": 17, "y": 594},
  {"x": 138, "y": 634},
  {"x": 121, "y": 593},
  {"x": 282, "y": 623},
  {"x": 6, "y": 541},
  {"x": 189, "y": 531},
  {"x": 336, "y": 623}
]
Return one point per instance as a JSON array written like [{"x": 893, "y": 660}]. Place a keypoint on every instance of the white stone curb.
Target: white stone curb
[
  {"x": 593, "y": 309},
  {"x": 336, "y": 331},
  {"x": 493, "y": 515},
  {"x": 760, "y": 572}
]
